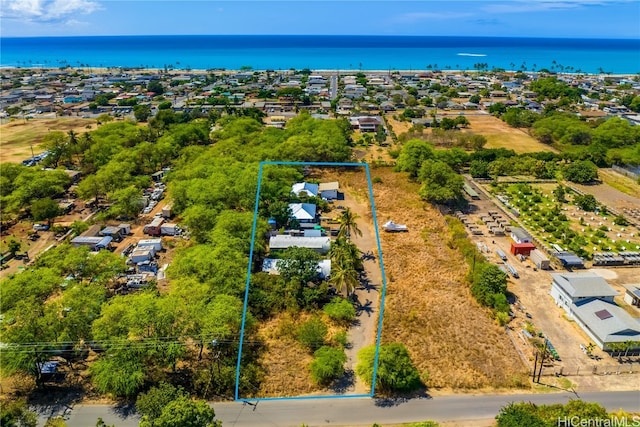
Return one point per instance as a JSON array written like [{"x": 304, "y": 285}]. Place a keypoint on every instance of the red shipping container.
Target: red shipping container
[{"x": 522, "y": 248}]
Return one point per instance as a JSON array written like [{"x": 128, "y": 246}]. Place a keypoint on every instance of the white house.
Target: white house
[
  {"x": 304, "y": 213},
  {"x": 284, "y": 241},
  {"x": 588, "y": 299},
  {"x": 307, "y": 188},
  {"x": 271, "y": 266}
]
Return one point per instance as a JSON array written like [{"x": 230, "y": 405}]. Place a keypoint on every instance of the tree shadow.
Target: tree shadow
[
  {"x": 365, "y": 307},
  {"x": 343, "y": 384},
  {"x": 397, "y": 400},
  {"x": 124, "y": 409},
  {"x": 53, "y": 401}
]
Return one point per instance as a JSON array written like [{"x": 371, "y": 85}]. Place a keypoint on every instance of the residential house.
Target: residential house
[
  {"x": 304, "y": 213},
  {"x": 285, "y": 241},
  {"x": 306, "y": 188},
  {"x": 271, "y": 266}
]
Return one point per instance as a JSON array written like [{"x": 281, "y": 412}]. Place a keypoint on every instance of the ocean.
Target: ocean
[{"x": 325, "y": 52}]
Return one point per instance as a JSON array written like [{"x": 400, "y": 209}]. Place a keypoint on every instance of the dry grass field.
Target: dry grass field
[
  {"x": 429, "y": 307},
  {"x": 619, "y": 182},
  {"x": 501, "y": 135},
  {"x": 17, "y": 136}
]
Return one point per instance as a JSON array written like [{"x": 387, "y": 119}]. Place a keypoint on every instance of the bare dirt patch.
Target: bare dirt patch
[{"x": 17, "y": 137}]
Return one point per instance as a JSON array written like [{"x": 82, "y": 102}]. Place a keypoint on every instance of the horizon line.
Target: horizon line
[{"x": 332, "y": 35}]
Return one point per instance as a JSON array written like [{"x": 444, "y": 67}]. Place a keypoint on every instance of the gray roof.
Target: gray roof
[
  {"x": 583, "y": 285},
  {"x": 608, "y": 322},
  {"x": 520, "y": 233},
  {"x": 284, "y": 241}
]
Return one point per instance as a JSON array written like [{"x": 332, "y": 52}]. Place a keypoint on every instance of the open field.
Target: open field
[
  {"x": 451, "y": 339},
  {"x": 620, "y": 182},
  {"x": 501, "y": 135},
  {"x": 17, "y": 136}
]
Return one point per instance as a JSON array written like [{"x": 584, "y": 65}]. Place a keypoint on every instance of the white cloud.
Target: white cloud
[
  {"x": 429, "y": 16},
  {"x": 523, "y": 6},
  {"x": 46, "y": 10}
]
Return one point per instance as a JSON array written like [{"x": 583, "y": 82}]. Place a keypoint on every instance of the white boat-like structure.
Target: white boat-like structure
[{"x": 393, "y": 227}]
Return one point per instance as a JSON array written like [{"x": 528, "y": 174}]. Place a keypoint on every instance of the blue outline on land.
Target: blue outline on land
[{"x": 246, "y": 290}]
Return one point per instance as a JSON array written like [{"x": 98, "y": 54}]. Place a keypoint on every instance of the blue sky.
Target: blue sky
[{"x": 527, "y": 18}]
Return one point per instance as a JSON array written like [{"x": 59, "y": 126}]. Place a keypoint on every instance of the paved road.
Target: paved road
[{"x": 359, "y": 411}]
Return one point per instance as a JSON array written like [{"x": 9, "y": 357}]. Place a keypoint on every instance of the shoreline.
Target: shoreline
[{"x": 347, "y": 71}]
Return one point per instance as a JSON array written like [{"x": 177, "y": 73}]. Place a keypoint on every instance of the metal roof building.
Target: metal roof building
[
  {"x": 284, "y": 241},
  {"x": 606, "y": 323}
]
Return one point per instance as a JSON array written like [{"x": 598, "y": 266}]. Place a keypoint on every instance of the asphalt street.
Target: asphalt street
[{"x": 361, "y": 411}]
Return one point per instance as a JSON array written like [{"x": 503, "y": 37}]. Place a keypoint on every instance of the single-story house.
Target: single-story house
[
  {"x": 329, "y": 190},
  {"x": 307, "y": 188},
  {"x": 284, "y": 241},
  {"x": 632, "y": 294},
  {"x": 303, "y": 212},
  {"x": 270, "y": 265}
]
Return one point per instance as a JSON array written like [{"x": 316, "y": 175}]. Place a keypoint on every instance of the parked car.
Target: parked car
[{"x": 40, "y": 227}]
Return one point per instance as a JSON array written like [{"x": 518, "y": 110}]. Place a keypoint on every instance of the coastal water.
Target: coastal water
[{"x": 324, "y": 52}]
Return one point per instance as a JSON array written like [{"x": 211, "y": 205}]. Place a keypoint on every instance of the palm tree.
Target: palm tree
[
  {"x": 344, "y": 279},
  {"x": 348, "y": 224}
]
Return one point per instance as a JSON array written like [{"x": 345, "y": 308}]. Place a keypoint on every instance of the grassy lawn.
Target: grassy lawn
[
  {"x": 17, "y": 136},
  {"x": 501, "y": 135}
]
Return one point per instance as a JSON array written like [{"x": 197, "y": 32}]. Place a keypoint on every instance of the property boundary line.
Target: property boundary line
[{"x": 248, "y": 280}]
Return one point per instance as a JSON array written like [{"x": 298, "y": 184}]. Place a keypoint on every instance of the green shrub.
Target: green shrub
[
  {"x": 395, "y": 369},
  {"x": 327, "y": 365},
  {"x": 340, "y": 310},
  {"x": 312, "y": 333}
]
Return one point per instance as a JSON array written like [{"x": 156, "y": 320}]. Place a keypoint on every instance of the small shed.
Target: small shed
[
  {"x": 125, "y": 229},
  {"x": 569, "y": 260},
  {"x": 539, "y": 259},
  {"x": 166, "y": 211},
  {"x": 522, "y": 248},
  {"x": 156, "y": 243},
  {"x": 519, "y": 235},
  {"x": 329, "y": 190}
]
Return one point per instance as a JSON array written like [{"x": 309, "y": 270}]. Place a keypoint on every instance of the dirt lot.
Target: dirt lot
[
  {"x": 452, "y": 340},
  {"x": 16, "y": 137},
  {"x": 532, "y": 291}
]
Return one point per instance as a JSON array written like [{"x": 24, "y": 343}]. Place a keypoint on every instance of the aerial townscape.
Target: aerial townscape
[{"x": 416, "y": 246}]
